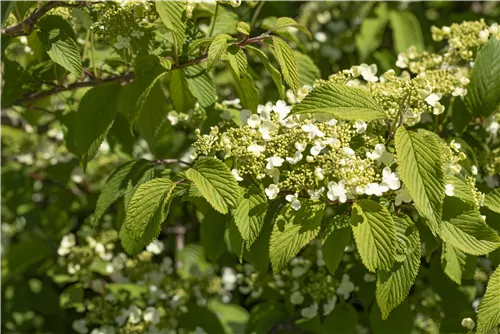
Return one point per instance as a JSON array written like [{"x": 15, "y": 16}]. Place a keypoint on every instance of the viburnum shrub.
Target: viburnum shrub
[{"x": 222, "y": 167}]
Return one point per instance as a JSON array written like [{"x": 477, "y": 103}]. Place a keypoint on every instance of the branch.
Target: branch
[{"x": 26, "y": 27}]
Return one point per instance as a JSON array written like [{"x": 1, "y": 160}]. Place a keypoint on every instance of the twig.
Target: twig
[
  {"x": 256, "y": 14},
  {"x": 172, "y": 161}
]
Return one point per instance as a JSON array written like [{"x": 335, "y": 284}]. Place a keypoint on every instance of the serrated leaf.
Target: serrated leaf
[
  {"x": 181, "y": 97},
  {"x": 340, "y": 101},
  {"x": 371, "y": 32},
  {"x": 489, "y": 309},
  {"x": 460, "y": 115},
  {"x": 337, "y": 237},
  {"x": 288, "y": 64},
  {"x": 421, "y": 170},
  {"x": 148, "y": 208},
  {"x": 217, "y": 48},
  {"x": 243, "y": 28},
  {"x": 284, "y": 22},
  {"x": 308, "y": 71},
  {"x": 394, "y": 285},
  {"x": 482, "y": 93},
  {"x": 212, "y": 231},
  {"x": 406, "y": 31},
  {"x": 238, "y": 60},
  {"x": 116, "y": 184},
  {"x": 375, "y": 234},
  {"x": 250, "y": 213},
  {"x": 94, "y": 118},
  {"x": 462, "y": 190},
  {"x": 464, "y": 228},
  {"x": 247, "y": 92},
  {"x": 58, "y": 39},
  {"x": 293, "y": 230},
  {"x": 173, "y": 16},
  {"x": 216, "y": 183},
  {"x": 492, "y": 200},
  {"x": 275, "y": 74},
  {"x": 201, "y": 85},
  {"x": 225, "y": 22},
  {"x": 455, "y": 263}
]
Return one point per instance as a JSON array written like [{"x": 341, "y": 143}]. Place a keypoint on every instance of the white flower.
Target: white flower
[
  {"x": 67, "y": 242},
  {"x": 369, "y": 278},
  {"x": 173, "y": 117},
  {"x": 265, "y": 110},
  {"x": 348, "y": 151},
  {"x": 484, "y": 35},
  {"x": 245, "y": 115},
  {"x": 316, "y": 149},
  {"x": 229, "y": 278},
  {"x": 360, "y": 126},
  {"x": 402, "y": 61},
  {"x": 449, "y": 189},
  {"x": 318, "y": 172},
  {"x": 438, "y": 109},
  {"x": 300, "y": 147},
  {"x": 281, "y": 108},
  {"x": 493, "y": 128},
  {"x": 468, "y": 323},
  {"x": 330, "y": 305},
  {"x": 256, "y": 149},
  {"x": 402, "y": 195},
  {"x": 134, "y": 314},
  {"x": 266, "y": 128},
  {"x": 295, "y": 203},
  {"x": 375, "y": 189},
  {"x": 156, "y": 247},
  {"x": 459, "y": 91},
  {"x": 337, "y": 191},
  {"x": 346, "y": 287},
  {"x": 272, "y": 191},
  {"x": 236, "y": 175},
  {"x": 310, "y": 312},
  {"x": 433, "y": 98},
  {"x": 474, "y": 170},
  {"x": 312, "y": 131},
  {"x": 273, "y": 162},
  {"x": 122, "y": 42},
  {"x": 381, "y": 155},
  {"x": 455, "y": 168},
  {"x": 296, "y": 298},
  {"x": 368, "y": 72},
  {"x": 80, "y": 326},
  {"x": 152, "y": 315},
  {"x": 316, "y": 194},
  {"x": 137, "y": 34},
  {"x": 298, "y": 156},
  {"x": 254, "y": 121},
  {"x": 390, "y": 179}
]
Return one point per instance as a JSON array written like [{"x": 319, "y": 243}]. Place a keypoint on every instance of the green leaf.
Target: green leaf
[
  {"x": 237, "y": 60},
  {"x": 340, "y": 101},
  {"x": 375, "y": 234},
  {"x": 275, "y": 74},
  {"x": 201, "y": 85},
  {"x": 173, "y": 16},
  {"x": 72, "y": 296},
  {"x": 489, "y": 309},
  {"x": 233, "y": 317},
  {"x": 482, "y": 93},
  {"x": 17, "y": 82},
  {"x": 456, "y": 263},
  {"x": 464, "y": 228},
  {"x": 7, "y": 7},
  {"x": 462, "y": 190},
  {"x": 212, "y": 231},
  {"x": 371, "y": 32},
  {"x": 399, "y": 322},
  {"x": 492, "y": 200},
  {"x": 217, "y": 48},
  {"x": 250, "y": 213},
  {"x": 247, "y": 92},
  {"x": 284, "y": 22},
  {"x": 58, "y": 39},
  {"x": 394, "y": 285},
  {"x": 243, "y": 28},
  {"x": 148, "y": 208},
  {"x": 225, "y": 22},
  {"x": 288, "y": 64},
  {"x": 293, "y": 230},
  {"x": 181, "y": 97},
  {"x": 116, "y": 184},
  {"x": 216, "y": 183},
  {"x": 341, "y": 320},
  {"x": 337, "y": 237},
  {"x": 94, "y": 118},
  {"x": 308, "y": 71},
  {"x": 421, "y": 170},
  {"x": 406, "y": 31},
  {"x": 460, "y": 115}
]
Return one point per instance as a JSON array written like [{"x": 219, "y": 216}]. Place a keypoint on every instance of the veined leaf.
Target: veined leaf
[
  {"x": 293, "y": 230},
  {"x": 462, "y": 190},
  {"x": 308, "y": 71},
  {"x": 337, "y": 237},
  {"x": 217, "y": 48},
  {"x": 492, "y": 200},
  {"x": 250, "y": 213},
  {"x": 375, "y": 234},
  {"x": 201, "y": 85},
  {"x": 284, "y": 55},
  {"x": 406, "y": 30},
  {"x": 146, "y": 210},
  {"x": 340, "y": 101},
  {"x": 421, "y": 169},
  {"x": 275, "y": 74},
  {"x": 238, "y": 60},
  {"x": 465, "y": 229},
  {"x": 489, "y": 308},
  {"x": 173, "y": 16},
  {"x": 456, "y": 263},
  {"x": 371, "y": 32},
  {"x": 243, "y": 28},
  {"x": 284, "y": 22},
  {"x": 94, "y": 118},
  {"x": 482, "y": 93},
  {"x": 212, "y": 231},
  {"x": 394, "y": 285},
  {"x": 247, "y": 92},
  {"x": 181, "y": 97},
  {"x": 58, "y": 39},
  {"x": 216, "y": 183}
]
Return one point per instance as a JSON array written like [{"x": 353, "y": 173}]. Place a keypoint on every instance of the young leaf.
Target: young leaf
[
  {"x": 421, "y": 170},
  {"x": 340, "y": 101},
  {"x": 250, "y": 213},
  {"x": 406, "y": 31},
  {"x": 492, "y": 200},
  {"x": 173, "y": 16},
  {"x": 217, "y": 48},
  {"x": 375, "y": 234},
  {"x": 293, "y": 230},
  {"x": 58, "y": 39},
  {"x": 464, "y": 228},
  {"x": 237, "y": 60},
  {"x": 243, "y": 28},
  {"x": 337, "y": 237},
  {"x": 94, "y": 118},
  {"x": 489, "y": 309},
  {"x": 394, "y": 285},
  {"x": 288, "y": 64},
  {"x": 148, "y": 208},
  {"x": 284, "y": 22},
  {"x": 482, "y": 93},
  {"x": 456, "y": 263},
  {"x": 275, "y": 74},
  {"x": 216, "y": 183}
]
